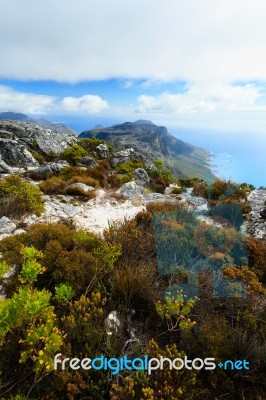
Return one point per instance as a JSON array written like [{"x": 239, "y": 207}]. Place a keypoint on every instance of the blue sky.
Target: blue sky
[{"x": 195, "y": 64}]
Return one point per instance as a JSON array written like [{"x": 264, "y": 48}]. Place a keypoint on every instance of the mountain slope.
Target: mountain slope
[
  {"x": 155, "y": 142},
  {"x": 44, "y": 123}
]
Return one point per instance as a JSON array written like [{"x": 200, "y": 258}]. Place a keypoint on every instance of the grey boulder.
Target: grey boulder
[
  {"x": 48, "y": 170},
  {"x": 141, "y": 177},
  {"x": 121, "y": 157},
  {"x": 6, "y": 226},
  {"x": 102, "y": 151},
  {"x": 88, "y": 162},
  {"x": 131, "y": 190},
  {"x": 80, "y": 186},
  {"x": 16, "y": 155},
  {"x": 263, "y": 213}
]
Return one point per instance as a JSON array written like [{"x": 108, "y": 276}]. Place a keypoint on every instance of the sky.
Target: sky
[{"x": 195, "y": 63}]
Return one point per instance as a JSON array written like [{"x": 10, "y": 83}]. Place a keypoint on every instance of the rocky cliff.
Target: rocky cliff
[
  {"x": 19, "y": 141},
  {"x": 155, "y": 142}
]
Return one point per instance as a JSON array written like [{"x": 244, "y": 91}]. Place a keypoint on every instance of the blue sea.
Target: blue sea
[{"x": 239, "y": 156}]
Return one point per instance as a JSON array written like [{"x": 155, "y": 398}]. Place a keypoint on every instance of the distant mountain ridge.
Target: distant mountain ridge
[
  {"x": 155, "y": 142},
  {"x": 44, "y": 123}
]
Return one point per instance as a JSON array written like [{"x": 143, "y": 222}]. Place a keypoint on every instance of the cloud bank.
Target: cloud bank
[
  {"x": 203, "y": 99},
  {"x": 29, "y": 103},
  {"x": 195, "y": 41}
]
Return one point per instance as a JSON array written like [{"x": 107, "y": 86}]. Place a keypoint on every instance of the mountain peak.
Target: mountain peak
[{"x": 143, "y": 122}]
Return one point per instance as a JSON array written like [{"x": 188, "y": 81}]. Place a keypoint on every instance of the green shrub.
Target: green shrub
[
  {"x": 135, "y": 284},
  {"x": 74, "y": 154},
  {"x": 84, "y": 179},
  {"x": 11, "y": 206},
  {"x": 177, "y": 190},
  {"x": 54, "y": 185},
  {"x": 137, "y": 242},
  {"x": 158, "y": 187},
  {"x": 129, "y": 167},
  {"x": 71, "y": 256},
  {"x": 161, "y": 172},
  {"x": 220, "y": 188},
  {"x": 68, "y": 173},
  {"x": 90, "y": 145},
  {"x": 200, "y": 189},
  {"x": 38, "y": 156},
  {"x": 27, "y": 196},
  {"x": 64, "y": 293},
  {"x": 188, "y": 182},
  {"x": 98, "y": 174}
]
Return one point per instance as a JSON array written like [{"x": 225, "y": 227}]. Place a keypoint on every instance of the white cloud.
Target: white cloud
[
  {"x": 202, "y": 98},
  {"x": 127, "y": 84},
  {"x": 195, "y": 41},
  {"x": 11, "y": 100},
  {"x": 90, "y": 104},
  {"x": 29, "y": 103}
]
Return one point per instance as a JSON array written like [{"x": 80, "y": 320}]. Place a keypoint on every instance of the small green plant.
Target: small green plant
[
  {"x": 27, "y": 196},
  {"x": 29, "y": 317},
  {"x": 175, "y": 311},
  {"x": 129, "y": 167},
  {"x": 31, "y": 268},
  {"x": 73, "y": 154},
  {"x": 64, "y": 293}
]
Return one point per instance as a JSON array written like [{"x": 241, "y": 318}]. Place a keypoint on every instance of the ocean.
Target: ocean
[{"x": 238, "y": 156}]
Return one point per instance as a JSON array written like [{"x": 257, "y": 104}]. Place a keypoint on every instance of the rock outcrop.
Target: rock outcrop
[
  {"x": 121, "y": 157},
  {"x": 15, "y": 154},
  {"x": 102, "y": 151},
  {"x": 130, "y": 190},
  {"x": 47, "y": 170},
  {"x": 88, "y": 162},
  {"x": 18, "y": 140},
  {"x": 256, "y": 224},
  {"x": 141, "y": 177}
]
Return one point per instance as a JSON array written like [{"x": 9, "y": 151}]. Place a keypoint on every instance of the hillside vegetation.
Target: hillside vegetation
[{"x": 72, "y": 291}]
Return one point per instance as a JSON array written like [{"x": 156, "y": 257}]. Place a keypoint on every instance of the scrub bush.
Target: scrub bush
[
  {"x": 26, "y": 196},
  {"x": 74, "y": 154}
]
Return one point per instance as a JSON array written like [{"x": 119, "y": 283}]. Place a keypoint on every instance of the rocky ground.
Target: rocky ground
[
  {"x": 256, "y": 224},
  {"x": 110, "y": 206}
]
